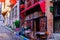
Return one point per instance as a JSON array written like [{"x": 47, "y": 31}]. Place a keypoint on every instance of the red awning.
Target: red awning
[
  {"x": 22, "y": 6},
  {"x": 42, "y": 5},
  {"x": 13, "y": 1},
  {"x": 2, "y": 0}
]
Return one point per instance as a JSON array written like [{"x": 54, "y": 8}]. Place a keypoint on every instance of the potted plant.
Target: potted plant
[{"x": 17, "y": 24}]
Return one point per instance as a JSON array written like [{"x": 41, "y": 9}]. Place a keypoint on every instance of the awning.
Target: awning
[
  {"x": 13, "y": 1},
  {"x": 41, "y": 4},
  {"x": 2, "y": 0}
]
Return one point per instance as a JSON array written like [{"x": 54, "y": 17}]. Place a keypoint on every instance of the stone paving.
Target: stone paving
[{"x": 5, "y": 34}]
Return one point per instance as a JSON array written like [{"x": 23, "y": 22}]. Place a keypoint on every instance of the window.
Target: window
[
  {"x": 10, "y": 17},
  {"x": 22, "y": 1},
  {"x": 12, "y": 13},
  {"x": 15, "y": 11},
  {"x": 57, "y": 9}
]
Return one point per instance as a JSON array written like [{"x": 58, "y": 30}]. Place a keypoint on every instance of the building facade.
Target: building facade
[
  {"x": 14, "y": 14},
  {"x": 37, "y": 16}
]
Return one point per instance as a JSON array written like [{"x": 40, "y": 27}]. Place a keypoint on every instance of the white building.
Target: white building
[{"x": 14, "y": 14}]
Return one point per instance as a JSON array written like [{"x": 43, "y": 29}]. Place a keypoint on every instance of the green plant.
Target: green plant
[
  {"x": 17, "y": 23},
  {"x": 51, "y": 9}
]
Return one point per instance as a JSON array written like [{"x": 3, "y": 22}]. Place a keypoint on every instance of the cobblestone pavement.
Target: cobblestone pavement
[{"x": 5, "y": 34}]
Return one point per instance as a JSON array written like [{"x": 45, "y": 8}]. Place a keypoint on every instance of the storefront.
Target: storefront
[
  {"x": 34, "y": 20},
  {"x": 37, "y": 22}
]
